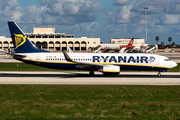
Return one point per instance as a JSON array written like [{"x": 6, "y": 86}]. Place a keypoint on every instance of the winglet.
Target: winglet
[
  {"x": 70, "y": 51},
  {"x": 66, "y": 56}
]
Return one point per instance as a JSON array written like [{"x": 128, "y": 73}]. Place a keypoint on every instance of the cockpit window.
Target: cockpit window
[{"x": 167, "y": 60}]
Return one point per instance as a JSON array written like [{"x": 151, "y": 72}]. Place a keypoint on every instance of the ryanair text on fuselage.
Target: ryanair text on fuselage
[{"x": 124, "y": 59}]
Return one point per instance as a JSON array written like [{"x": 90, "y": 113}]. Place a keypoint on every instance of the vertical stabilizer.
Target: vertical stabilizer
[
  {"x": 20, "y": 41},
  {"x": 131, "y": 42}
]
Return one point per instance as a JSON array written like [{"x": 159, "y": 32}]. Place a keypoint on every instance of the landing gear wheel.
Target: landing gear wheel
[
  {"x": 91, "y": 73},
  {"x": 159, "y": 74}
]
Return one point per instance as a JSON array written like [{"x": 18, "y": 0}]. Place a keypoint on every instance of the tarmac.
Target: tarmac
[{"x": 82, "y": 78}]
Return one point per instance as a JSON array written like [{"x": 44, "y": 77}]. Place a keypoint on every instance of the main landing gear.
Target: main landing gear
[{"x": 91, "y": 73}]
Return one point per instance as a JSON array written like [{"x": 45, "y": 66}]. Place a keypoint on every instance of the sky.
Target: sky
[{"x": 105, "y": 19}]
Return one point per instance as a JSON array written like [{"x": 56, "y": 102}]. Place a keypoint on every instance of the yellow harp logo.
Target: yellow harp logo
[{"x": 19, "y": 40}]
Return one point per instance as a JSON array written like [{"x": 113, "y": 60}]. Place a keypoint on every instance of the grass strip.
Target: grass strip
[
  {"x": 23, "y": 67},
  {"x": 29, "y": 67},
  {"x": 74, "y": 102}
]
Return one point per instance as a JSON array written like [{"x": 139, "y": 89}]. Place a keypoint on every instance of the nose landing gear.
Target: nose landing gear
[{"x": 159, "y": 73}]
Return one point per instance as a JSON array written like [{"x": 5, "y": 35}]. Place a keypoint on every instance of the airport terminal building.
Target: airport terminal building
[{"x": 47, "y": 39}]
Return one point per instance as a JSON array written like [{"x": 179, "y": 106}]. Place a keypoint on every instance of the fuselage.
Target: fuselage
[{"x": 126, "y": 61}]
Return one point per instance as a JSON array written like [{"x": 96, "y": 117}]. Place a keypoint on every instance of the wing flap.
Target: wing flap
[{"x": 84, "y": 65}]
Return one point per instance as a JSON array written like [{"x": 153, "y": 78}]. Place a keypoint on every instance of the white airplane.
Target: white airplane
[{"x": 107, "y": 63}]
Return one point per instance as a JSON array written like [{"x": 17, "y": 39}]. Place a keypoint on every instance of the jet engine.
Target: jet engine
[{"x": 110, "y": 70}]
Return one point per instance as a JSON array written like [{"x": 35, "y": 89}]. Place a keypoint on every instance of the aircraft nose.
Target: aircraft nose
[{"x": 174, "y": 64}]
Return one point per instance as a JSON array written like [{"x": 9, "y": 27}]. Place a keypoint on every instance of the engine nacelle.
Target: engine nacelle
[{"x": 110, "y": 70}]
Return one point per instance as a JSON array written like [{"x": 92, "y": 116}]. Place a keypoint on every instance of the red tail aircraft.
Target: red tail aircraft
[{"x": 129, "y": 45}]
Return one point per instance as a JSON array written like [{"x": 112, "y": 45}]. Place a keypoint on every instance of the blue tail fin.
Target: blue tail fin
[{"x": 21, "y": 43}]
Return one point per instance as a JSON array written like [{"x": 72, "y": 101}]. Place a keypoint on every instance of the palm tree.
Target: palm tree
[
  {"x": 162, "y": 45},
  {"x": 157, "y": 39},
  {"x": 169, "y": 39},
  {"x": 173, "y": 44}
]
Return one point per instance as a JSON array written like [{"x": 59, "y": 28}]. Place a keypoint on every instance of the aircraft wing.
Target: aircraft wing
[
  {"x": 106, "y": 69},
  {"x": 83, "y": 65}
]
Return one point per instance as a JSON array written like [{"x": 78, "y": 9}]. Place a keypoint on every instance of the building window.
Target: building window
[
  {"x": 32, "y": 36},
  {"x": 57, "y": 36},
  {"x": 51, "y": 36},
  {"x": 45, "y": 36},
  {"x": 38, "y": 36}
]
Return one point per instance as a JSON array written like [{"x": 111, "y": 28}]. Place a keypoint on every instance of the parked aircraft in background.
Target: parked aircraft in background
[
  {"x": 130, "y": 48},
  {"x": 107, "y": 63},
  {"x": 130, "y": 45},
  {"x": 114, "y": 48}
]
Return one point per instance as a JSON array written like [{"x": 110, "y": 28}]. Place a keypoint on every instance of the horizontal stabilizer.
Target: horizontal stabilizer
[{"x": 18, "y": 55}]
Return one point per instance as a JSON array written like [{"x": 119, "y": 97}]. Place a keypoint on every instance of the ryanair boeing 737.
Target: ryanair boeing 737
[{"x": 107, "y": 63}]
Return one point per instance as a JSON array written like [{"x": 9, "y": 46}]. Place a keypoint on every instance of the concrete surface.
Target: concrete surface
[{"x": 80, "y": 78}]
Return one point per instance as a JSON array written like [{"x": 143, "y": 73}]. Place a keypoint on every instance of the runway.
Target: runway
[{"x": 82, "y": 78}]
